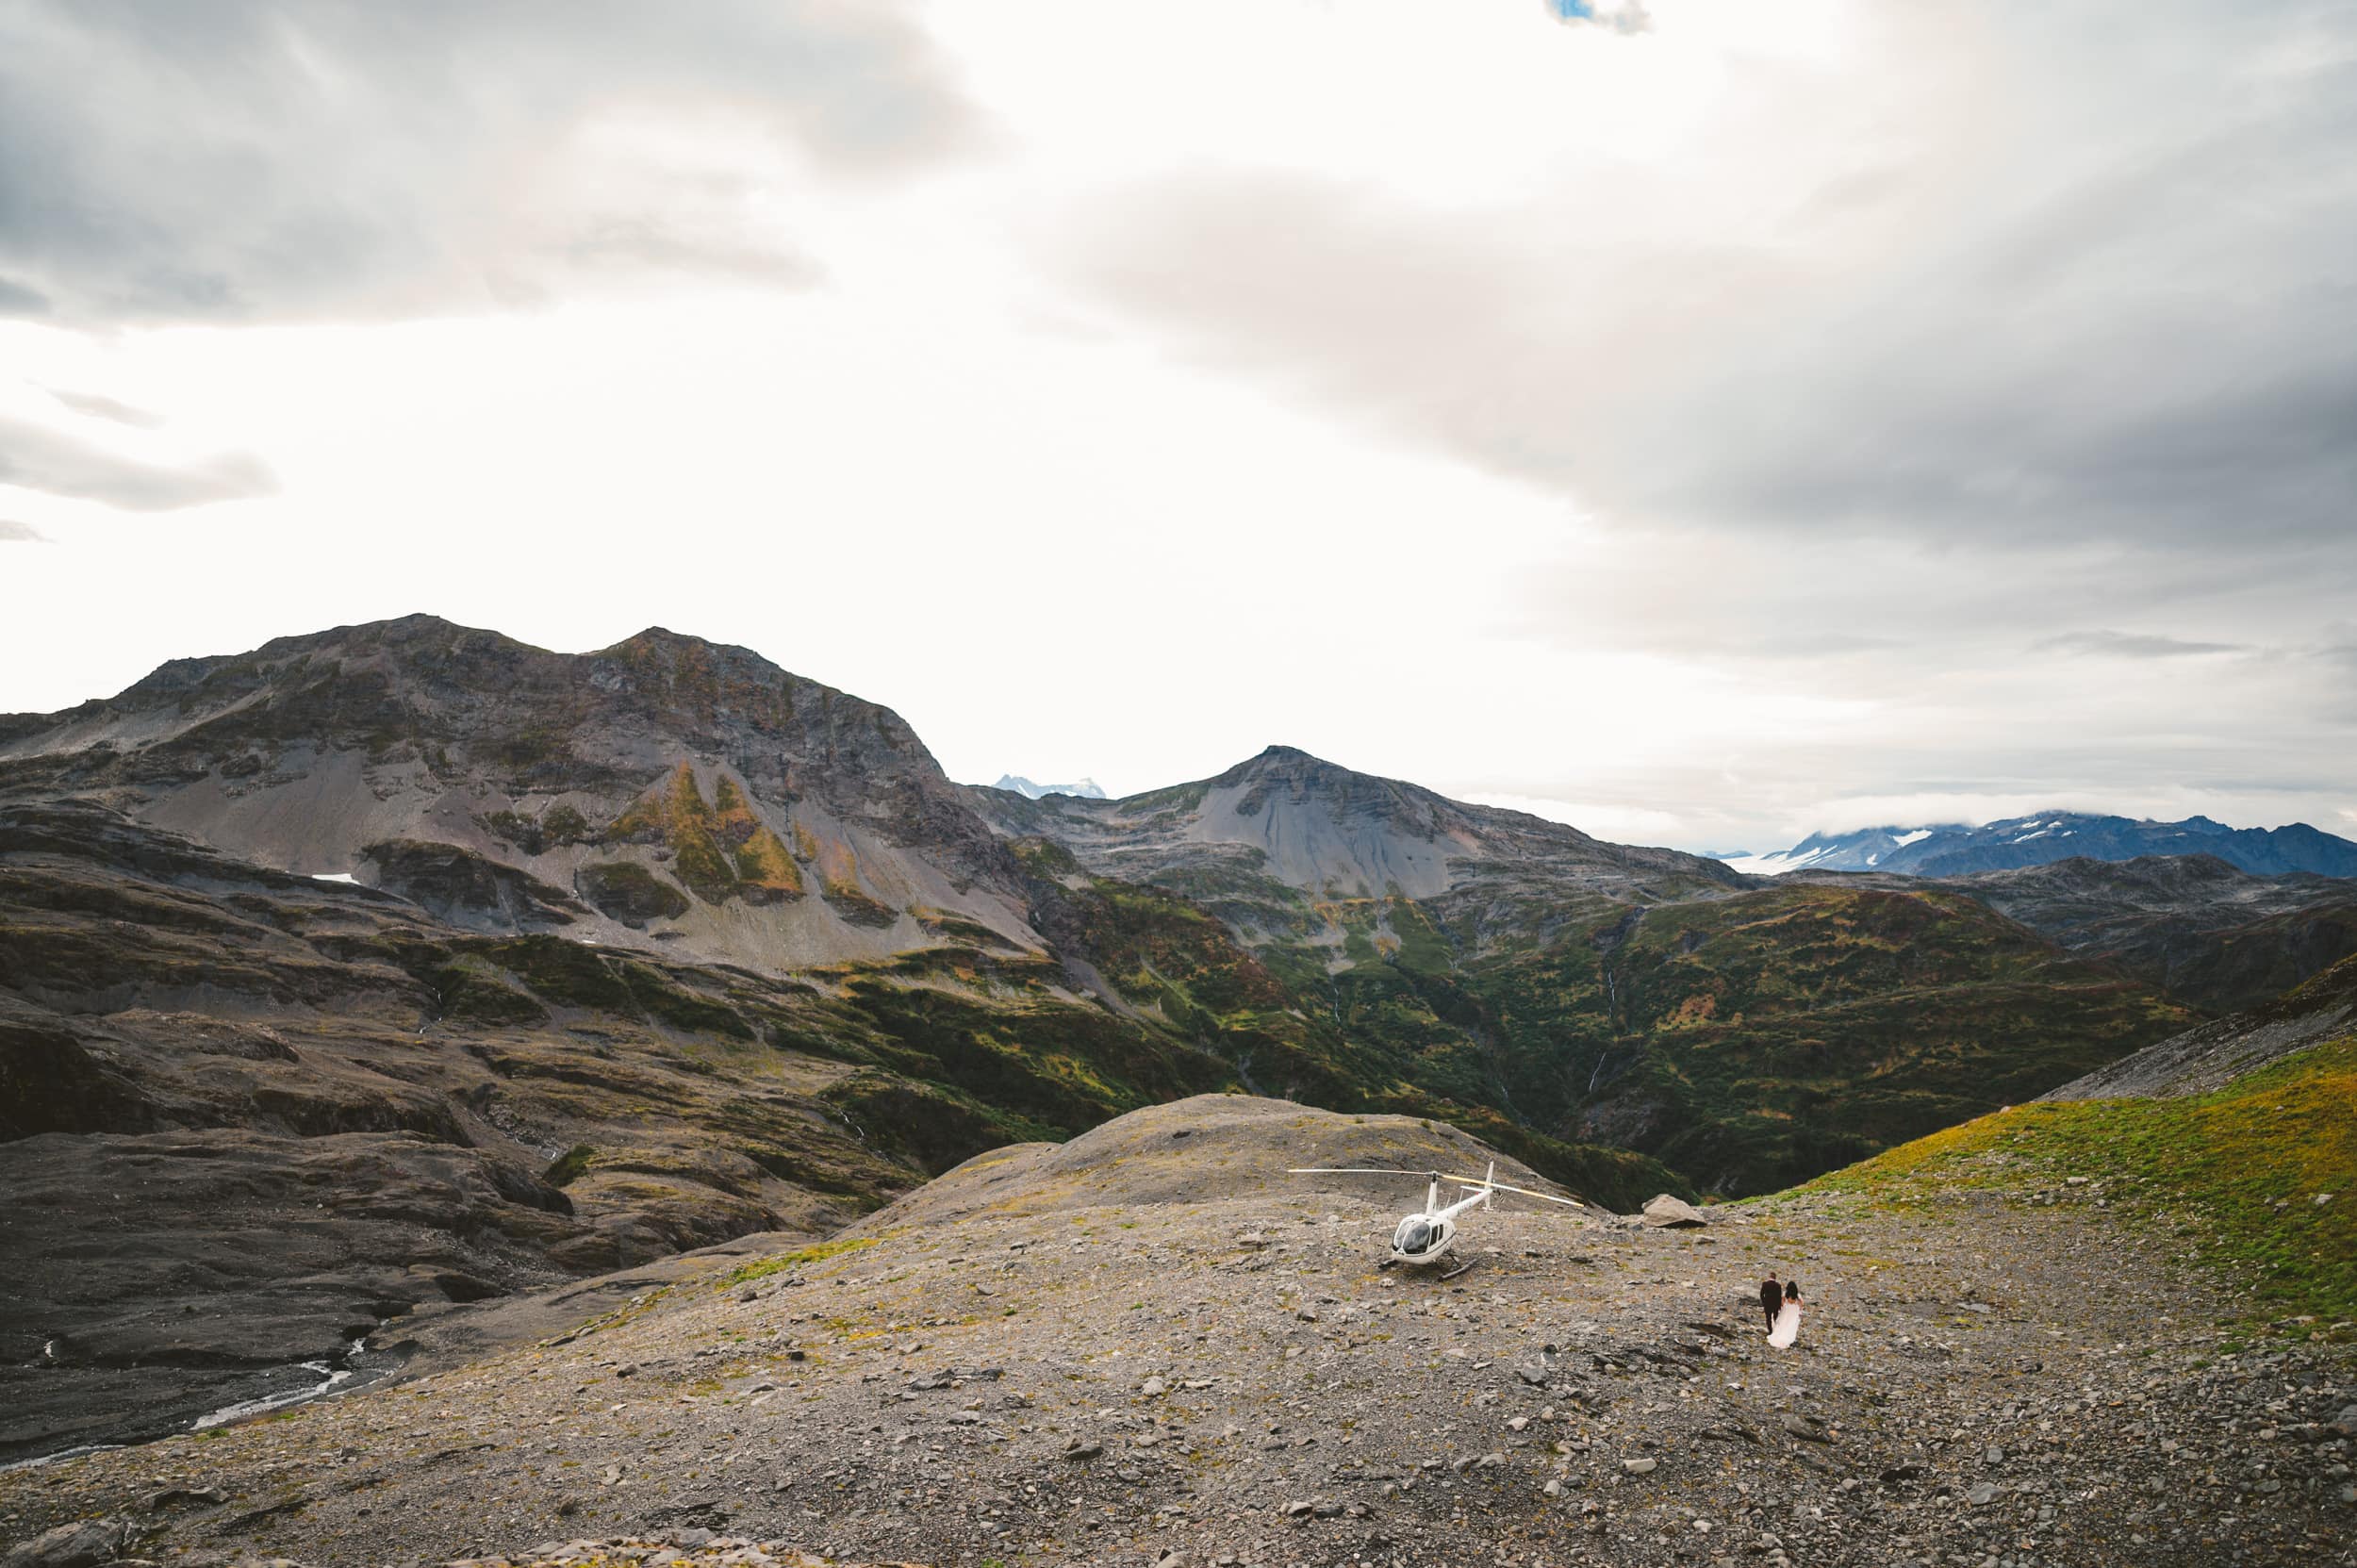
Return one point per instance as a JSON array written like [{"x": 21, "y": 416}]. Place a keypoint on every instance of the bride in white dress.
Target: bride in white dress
[{"x": 1787, "y": 1327}]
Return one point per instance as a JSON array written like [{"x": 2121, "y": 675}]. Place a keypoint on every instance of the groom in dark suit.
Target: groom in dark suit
[{"x": 1770, "y": 1297}]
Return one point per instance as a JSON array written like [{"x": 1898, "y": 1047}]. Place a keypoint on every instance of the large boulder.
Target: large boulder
[
  {"x": 1667, "y": 1212},
  {"x": 84, "y": 1543}
]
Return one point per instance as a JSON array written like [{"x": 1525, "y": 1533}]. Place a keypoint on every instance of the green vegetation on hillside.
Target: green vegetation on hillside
[
  {"x": 2251, "y": 965},
  {"x": 1756, "y": 1040},
  {"x": 720, "y": 849},
  {"x": 2247, "y": 1162},
  {"x": 1305, "y": 1035},
  {"x": 1748, "y": 1042}
]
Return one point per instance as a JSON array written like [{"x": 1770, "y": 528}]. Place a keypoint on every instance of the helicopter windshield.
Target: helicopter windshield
[{"x": 1414, "y": 1236}]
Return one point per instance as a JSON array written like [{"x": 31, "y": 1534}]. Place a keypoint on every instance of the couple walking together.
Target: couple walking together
[{"x": 1782, "y": 1305}]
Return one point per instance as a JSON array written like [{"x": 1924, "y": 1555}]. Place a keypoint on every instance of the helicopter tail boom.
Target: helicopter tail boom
[{"x": 1485, "y": 1184}]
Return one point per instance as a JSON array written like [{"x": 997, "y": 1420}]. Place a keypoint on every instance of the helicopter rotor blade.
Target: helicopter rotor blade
[
  {"x": 1474, "y": 1182},
  {"x": 1480, "y": 1182},
  {"x": 1572, "y": 1202},
  {"x": 1356, "y": 1170}
]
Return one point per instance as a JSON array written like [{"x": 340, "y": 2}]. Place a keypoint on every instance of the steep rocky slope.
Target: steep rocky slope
[
  {"x": 662, "y": 790},
  {"x": 1087, "y": 1358}
]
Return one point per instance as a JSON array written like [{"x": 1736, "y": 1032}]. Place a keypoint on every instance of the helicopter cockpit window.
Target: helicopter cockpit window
[{"x": 1414, "y": 1236}]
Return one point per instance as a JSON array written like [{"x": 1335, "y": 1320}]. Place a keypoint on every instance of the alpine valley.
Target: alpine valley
[{"x": 406, "y": 965}]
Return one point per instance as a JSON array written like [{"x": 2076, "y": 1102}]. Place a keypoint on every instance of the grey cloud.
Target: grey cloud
[
  {"x": 269, "y": 160},
  {"x": 2338, "y": 660},
  {"x": 2132, "y": 645},
  {"x": 2133, "y": 326},
  {"x": 643, "y": 244},
  {"x": 108, "y": 408},
  {"x": 40, "y": 459},
  {"x": 17, "y": 300},
  {"x": 21, "y": 533}
]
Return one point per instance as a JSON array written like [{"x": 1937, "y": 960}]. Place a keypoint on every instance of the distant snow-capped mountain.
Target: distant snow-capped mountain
[
  {"x": 1087, "y": 789},
  {"x": 1953, "y": 850},
  {"x": 1867, "y": 850}
]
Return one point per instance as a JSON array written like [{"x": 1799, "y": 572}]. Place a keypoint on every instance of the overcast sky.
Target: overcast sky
[{"x": 1701, "y": 421}]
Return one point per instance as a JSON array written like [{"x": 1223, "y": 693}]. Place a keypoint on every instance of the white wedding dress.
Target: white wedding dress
[{"x": 1787, "y": 1327}]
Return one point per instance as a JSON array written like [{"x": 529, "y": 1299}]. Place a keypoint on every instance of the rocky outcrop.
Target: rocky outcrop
[
  {"x": 1671, "y": 1213},
  {"x": 156, "y": 1277},
  {"x": 83, "y": 1544},
  {"x": 466, "y": 888}
]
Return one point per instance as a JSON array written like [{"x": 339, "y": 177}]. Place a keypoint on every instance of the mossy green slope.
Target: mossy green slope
[
  {"x": 720, "y": 848},
  {"x": 1301, "y": 1038},
  {"x": 1754, "y": 1041},
  {"x": 1748, "y": 1042},
  {"x": 2239, "y": 1171}
]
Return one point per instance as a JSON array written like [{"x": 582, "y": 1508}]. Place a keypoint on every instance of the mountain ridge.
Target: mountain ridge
[
  {"x": 1952, "y": 850},
  {"x": 316, "y": 753}
]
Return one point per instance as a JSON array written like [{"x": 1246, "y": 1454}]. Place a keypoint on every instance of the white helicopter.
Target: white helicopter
[{"x": 1421, "y": 1239}]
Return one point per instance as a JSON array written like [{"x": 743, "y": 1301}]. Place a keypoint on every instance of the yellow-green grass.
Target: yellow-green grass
[
  {"x": 764, "y": 1267},
  {"x": 2249, "y": 1159}
]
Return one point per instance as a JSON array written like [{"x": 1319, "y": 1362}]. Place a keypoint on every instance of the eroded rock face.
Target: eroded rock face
[
  {"x": 50, "y": 1083},
  {"x": 674, "y": 782},
  {"x": 630, "y": 892},
  {"x": 466, "y": 888}
]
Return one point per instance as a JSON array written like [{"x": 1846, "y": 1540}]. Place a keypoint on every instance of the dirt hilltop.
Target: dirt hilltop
[
  {"x": 1151, "y": 1346},
  {"x": 1210, "y": 1148}
]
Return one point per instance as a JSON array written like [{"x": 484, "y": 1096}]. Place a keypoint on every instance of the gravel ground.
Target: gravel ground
[{"x": 1982, "y": 1380}]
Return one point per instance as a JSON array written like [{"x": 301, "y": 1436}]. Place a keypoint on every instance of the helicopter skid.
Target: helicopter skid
[{"x": 1463, "y": 1266}]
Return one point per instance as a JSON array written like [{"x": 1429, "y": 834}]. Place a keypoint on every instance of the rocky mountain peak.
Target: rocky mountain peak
[
  {"x": 1287, "y": 820},
  {"x": 1291, "y": 764},
  {"x": 671, "y": 783}
]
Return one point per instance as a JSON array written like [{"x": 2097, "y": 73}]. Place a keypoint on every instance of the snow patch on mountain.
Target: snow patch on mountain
[
  {"x": 1087, "y": 789},
  {"x": 1953, "y": 850},
  {"x": 1866, "y": 850}
]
